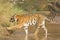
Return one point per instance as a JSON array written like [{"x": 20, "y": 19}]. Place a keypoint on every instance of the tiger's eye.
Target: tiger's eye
[{"x": 12, "y": 20}]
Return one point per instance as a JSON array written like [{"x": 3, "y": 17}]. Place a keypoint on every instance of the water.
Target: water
[{"x": 51, "y": 36}]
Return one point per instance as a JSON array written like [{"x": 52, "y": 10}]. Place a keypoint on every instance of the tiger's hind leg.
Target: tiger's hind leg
[
  {"x": 45, "y": 29},
  {"x": 43, "y": 26},
  {"x": 37, "y": 30}
]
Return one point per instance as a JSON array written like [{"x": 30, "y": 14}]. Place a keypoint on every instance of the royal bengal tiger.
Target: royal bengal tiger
[{"x": 26, "y": 20}]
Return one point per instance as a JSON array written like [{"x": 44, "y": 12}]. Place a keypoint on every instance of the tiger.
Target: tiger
[{"x": 26, "y": 20}]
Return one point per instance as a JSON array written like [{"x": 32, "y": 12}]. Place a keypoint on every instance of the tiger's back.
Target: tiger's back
[{"x": 32, "y": 19}]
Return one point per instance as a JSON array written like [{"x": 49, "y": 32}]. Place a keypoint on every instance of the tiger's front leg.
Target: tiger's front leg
[
  {"x": 44, "y": 27},
  {"x": 26, "y": 25},
  {"x": 26, "y": 31}
]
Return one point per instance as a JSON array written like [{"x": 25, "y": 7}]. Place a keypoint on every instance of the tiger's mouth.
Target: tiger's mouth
[{"x": 12, "y": 20}]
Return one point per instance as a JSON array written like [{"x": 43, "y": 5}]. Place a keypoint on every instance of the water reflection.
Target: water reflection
[
  {"x": 40, "y": 38},
  {"x": 26, "y": 37},
  {"x": 35, "y": 37},
  {"x": 51, "y": 36},
  {"x": 43, "y": 37}
]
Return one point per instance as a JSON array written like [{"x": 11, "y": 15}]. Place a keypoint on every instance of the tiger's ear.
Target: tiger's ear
[{"x": 14, "y": 15}]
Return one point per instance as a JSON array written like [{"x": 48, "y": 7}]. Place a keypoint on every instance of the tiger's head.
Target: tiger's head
[{"x": 13, "y": 18}]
